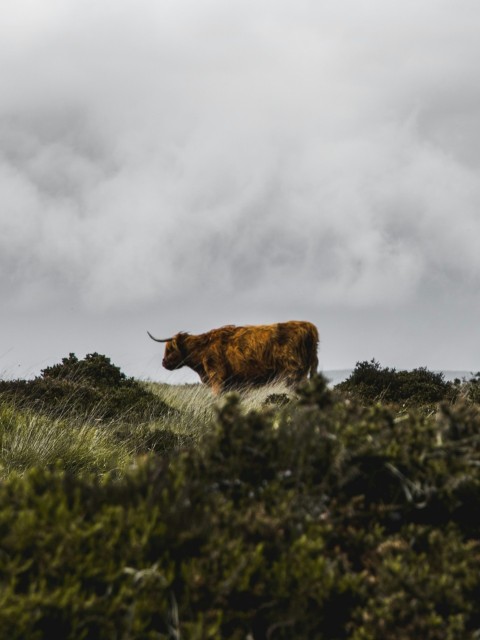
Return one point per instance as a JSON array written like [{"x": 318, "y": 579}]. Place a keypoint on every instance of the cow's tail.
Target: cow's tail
[
  {"x": 314, "y": 365},
  {"x": 312, "y": 339}
]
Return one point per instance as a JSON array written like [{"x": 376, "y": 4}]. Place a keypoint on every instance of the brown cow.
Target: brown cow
[{"x": 232, "y": 357}]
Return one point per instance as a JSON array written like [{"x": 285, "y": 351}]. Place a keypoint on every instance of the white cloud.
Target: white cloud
[{"x": 289, "y": 149}]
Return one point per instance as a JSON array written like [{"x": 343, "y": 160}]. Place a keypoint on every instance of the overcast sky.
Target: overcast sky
[{"x": 182, "y": 164}]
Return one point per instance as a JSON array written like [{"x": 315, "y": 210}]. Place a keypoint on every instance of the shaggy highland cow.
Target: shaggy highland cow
[{"x": 232, "y": 357}]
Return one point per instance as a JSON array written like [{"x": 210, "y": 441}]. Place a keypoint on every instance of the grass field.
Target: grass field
[{"x": 85, "y": 442}]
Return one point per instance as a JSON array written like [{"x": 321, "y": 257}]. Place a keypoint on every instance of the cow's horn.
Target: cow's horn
[{"x": 159, "y": 339}]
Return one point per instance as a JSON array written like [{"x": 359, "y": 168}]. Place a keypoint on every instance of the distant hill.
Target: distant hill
[
  {"x": 451, "y": 375},
  {"x": 335, "y": 376}
]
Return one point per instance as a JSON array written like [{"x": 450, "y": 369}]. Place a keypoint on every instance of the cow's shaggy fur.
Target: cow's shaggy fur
[{"x": 232, "y": 357}]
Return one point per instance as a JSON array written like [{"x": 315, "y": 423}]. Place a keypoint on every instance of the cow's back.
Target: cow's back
[{"x": 257, "y": 354}]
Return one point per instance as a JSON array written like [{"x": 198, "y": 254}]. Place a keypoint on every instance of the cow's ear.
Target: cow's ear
[{"x": 180, "y": 339}]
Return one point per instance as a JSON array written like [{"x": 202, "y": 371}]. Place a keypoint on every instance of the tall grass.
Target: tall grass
[
  {"x": 195, "y": 406},
  {"x": 28, "y": 439}
]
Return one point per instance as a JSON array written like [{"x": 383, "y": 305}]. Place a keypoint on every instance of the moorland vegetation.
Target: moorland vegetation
[{"x": 133, "y": 509}]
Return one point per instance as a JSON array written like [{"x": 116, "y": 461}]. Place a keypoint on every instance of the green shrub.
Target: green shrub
[
  {"x": 92, "y": 387},
  {"x": 370, "y": 382},
  {"x": 473, "y": 388},
  {"x": 319, "y": 519},
  {"x": 95, "y": 370}
]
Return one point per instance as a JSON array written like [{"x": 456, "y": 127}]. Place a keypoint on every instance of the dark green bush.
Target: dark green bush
[
  {"x": 89, "y": 387},
  {"x": 370, "y": 382},
  {"x": 322, "y": 519},
  {"x": 95, "y": 370},
  {"x": 473, "y": 388}
]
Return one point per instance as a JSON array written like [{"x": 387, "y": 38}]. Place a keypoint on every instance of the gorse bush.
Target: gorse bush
[
  {"x": 472, "y": 388},
  {"x": 313, "y": 518},
  {"x": 370, "y": 382},
  {"x": 92, "y": 386},
  {"x": 95, "y": 369}
]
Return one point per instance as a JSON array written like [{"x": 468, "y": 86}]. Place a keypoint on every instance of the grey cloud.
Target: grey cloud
[{"x": 292, "y": 156}]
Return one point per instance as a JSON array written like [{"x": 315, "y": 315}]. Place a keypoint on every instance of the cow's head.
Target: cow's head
[{"x": 175, "y": 355}]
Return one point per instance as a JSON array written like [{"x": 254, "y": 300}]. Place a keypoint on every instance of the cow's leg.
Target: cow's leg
[
  {"x": 216, "y": 387},
  {"x": 215, "y": 377}
]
